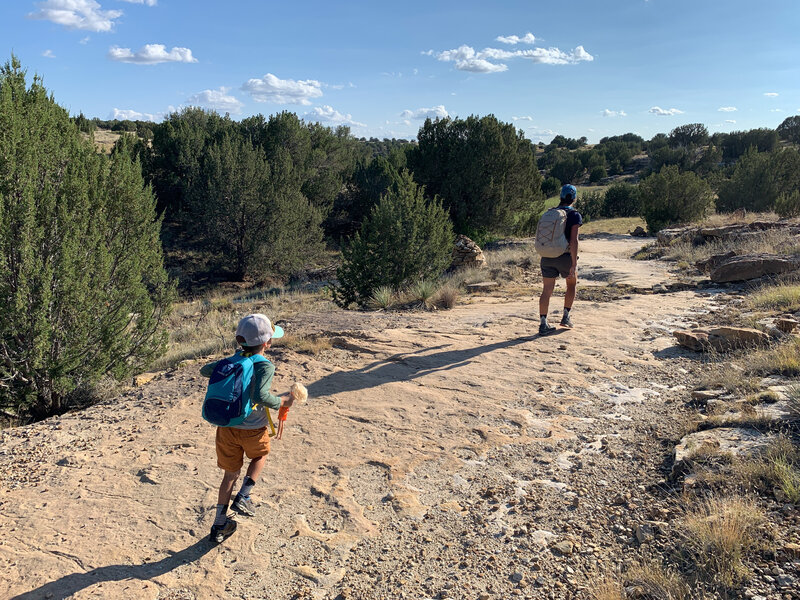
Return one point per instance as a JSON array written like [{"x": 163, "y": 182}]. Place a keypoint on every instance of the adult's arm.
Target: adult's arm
[{"x": 573, "y": 250}]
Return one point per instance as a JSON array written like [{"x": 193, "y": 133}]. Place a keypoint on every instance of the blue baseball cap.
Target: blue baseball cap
[{"x": 569, "y": 192}]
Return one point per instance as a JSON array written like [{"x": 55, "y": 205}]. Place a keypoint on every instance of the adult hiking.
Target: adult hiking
[
  {"x": 557, "y": 244},
  {"x": 237, "y": 402}
]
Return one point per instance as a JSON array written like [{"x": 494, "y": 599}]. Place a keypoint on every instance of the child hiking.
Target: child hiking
[
  {"x": 557, "y": 244},
  {"x": 237, "y": 401}
]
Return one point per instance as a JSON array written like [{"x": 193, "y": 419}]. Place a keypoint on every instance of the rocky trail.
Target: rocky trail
[{"x": 450, "y": 454}]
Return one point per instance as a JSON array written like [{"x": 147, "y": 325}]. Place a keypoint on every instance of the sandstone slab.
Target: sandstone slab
[{"x": 753, "y": 266}]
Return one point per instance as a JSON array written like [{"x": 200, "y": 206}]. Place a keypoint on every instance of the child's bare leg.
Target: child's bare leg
[
  {"x": 254, "y": 470},
  {"x": 226, "y": 487}
]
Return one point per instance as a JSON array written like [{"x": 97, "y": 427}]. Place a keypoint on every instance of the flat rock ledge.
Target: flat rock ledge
[{"x": 720, "y": 339}]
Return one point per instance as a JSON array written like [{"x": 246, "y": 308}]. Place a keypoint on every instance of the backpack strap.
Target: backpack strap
[{"x": 259, "y": 358}]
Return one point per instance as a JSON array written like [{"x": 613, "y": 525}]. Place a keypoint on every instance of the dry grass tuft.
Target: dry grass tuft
[
  {"x": 718, "y": 536},
  {"x": 781, "y": 359},
  {"x": 205, "y": 327},
  {"x": 784, "y": 297},
  {"x": 618, "y": 226},
  {"x": 773, "y": 241},
  {"x": 652, "y": 581},
  {"x": 777, "y": 469},
  {"x": 447, "y": 296},
  {"x": 304, "y": 344},
  {"x": 382, "y": 298}
]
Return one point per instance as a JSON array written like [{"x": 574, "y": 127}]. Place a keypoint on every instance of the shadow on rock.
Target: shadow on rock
[{"x": 70, "y": 584}]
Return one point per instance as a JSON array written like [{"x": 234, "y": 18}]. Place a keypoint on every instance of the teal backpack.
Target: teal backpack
[{"x": 228, "y": 398}]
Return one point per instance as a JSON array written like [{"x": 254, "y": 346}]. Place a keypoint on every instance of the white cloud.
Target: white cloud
[
  {"x": 76, "y": 14},
  {"x": 614, "y": 113},
  {"x": 731, "y": 121},
  {"x": 48, "y": 54},
  {"x": 424, "y": 113},
  {"x": 327, "y": 114},
  {"x": 217, "y": 99},
  {"x": 771, "y": 94},
  {"x": 283, "y": 91},
  {"x": 525, "y": 118},
  {"x": 727, "y": 109},
  {"x": 665, "y": 112},
  {"x": 528, "y": 38},
  {"x": 776, "y": 110},
  {"x": 467, "y": 58},
  {"x": 147, "y": 2},
  {"x": 85, "y": 40},
  {"x": 151, "y": 54},
  {"x": 132, "y": 115}
]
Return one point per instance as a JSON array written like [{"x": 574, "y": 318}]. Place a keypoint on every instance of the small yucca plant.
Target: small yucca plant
[
  {"x": 423, "y": 291},
  {"x": 382, "y": 297}
]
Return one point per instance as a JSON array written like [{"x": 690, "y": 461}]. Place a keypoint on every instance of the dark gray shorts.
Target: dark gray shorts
[{"x": 553, "y": 267}]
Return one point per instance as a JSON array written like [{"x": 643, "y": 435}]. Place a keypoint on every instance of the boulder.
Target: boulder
[
  {"x": 713, "y": 261},
  {"x": 467, "y": 254},
  {"x": 753, "y": 266},
  {"x": 721, "y": 339},
  {"x": 638, "y": 232},
  {"x": 786, "y": 324},
  {"x": 666, "y": 237},
  {"x": 737, "y": 441}
]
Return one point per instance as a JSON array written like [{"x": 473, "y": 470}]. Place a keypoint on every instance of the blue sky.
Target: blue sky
[{"x": 574, "y": 67}]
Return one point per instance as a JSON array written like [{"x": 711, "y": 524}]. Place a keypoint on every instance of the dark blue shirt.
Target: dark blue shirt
[{"x": 573, "y": 218}]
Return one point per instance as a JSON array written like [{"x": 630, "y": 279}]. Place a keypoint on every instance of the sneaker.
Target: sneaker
[
  {"x": 566, "y": 322},
  {"x": 244, "y": 506},
  {"x": 546, "y": 329},
  {"x": 221, "y": 532}
]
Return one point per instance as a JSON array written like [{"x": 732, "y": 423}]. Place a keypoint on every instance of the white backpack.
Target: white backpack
[{"x": 551, "y": 239}]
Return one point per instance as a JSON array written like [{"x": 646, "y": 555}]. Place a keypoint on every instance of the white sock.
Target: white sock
[{"x": 222, "y": 509}]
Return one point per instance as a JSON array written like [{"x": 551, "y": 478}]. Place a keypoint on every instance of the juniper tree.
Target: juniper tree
[
  {"x": 404, "y": 238},
  {"x": 252, "y": 212},
  {"x": 83, "y": 291}
]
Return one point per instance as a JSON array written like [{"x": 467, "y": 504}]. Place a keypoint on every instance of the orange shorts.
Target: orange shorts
[{"x": 233, "y": 444}]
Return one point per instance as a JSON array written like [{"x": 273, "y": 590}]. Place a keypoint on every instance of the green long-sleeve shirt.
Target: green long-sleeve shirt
[{"x": 260, "y": 393}]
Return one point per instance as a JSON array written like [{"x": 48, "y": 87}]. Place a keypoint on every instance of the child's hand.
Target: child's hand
[{"x": 287, "y": 401}]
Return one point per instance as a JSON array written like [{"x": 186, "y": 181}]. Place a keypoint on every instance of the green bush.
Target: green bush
[
  {"x": 621, "y": 200},
  {"x": 597, "y": 173},
  {"x": 83, "y": 290},
  {"x": 788, "y": 204},
  {"x": 758, "y": 179},
  {"x": 404, "y": 239},
  {"x": 591, "y": 205},
  {"x": 551, "y": 187},
  {"x": 671, "y": 197}
]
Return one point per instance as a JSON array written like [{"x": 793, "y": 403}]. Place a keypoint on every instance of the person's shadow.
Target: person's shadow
[
  {"x": 74, "y": 582},
  {"x": 405, "y": 367}
]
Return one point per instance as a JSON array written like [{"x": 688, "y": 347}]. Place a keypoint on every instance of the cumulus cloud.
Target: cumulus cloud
[
  {"x": 771, "y": 94},
  {"x": 147, "y": 2},
  {"x": 466, "y": 58},
  {"x": 528, "y": 38},
  {"x": 217, "y": 99},
  {"x": 525, "y": 118},
  {"x": 132, "y": 115},
  {"x": 327, "y": 114},
  {"x": 727, "y": 109},
  {"x": 48, "y": 54},
  {"x": 151, "y": 54},
  {"x": 76, "y": 14},
  {"x": 283, "y": 91},
  {"x": 614, "y": 113},
  {"x": 665, "y": 112},
  {"x": 424, "y": 113}
]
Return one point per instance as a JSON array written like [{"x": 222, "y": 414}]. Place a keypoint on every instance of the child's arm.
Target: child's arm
[{"x": 262, "y": 388}]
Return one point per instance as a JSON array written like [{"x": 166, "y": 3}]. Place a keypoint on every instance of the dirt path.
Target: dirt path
[{"x": 441, "y": 455}]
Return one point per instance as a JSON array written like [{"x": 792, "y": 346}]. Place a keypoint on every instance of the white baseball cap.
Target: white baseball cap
[{"x": 257, "y": 329}]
